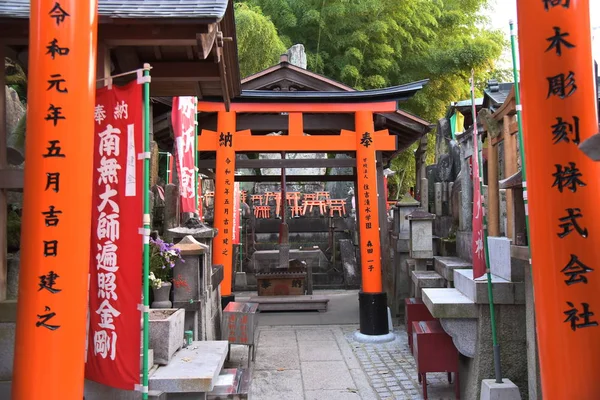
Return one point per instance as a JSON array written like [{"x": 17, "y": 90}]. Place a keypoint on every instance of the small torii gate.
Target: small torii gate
[{"x": 364, "y": 140}]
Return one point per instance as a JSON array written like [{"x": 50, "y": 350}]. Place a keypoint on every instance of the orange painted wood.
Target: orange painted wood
[
  {"x": 370, "y": 248},
  {"x": 50, "y": 338},
  {"x": 383, "y": 106},
  {"x": 565, "y": 292},
  {"x": 224, "y": 182},
  {"x": 346, "y": 141}
]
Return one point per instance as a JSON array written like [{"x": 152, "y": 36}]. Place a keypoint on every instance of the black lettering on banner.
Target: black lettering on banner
[
  {"x": 366, "y": 139},
  {"x": 558, "y": 40},
  {"x": 575, "y": 270},
  {"x": 50, "y": 248},
  {"x": 562, "y": 129},
  {"x": 54, "y": 114},
  {"x": 58, "y": 14},
  {"x": 567, "y": 177},
  {"x": 561, "y": 86},
  {"x": 48, "y": 281},
  {"x": 54, "y": 149},
  {"x": 50, "y": 216},
  {"x": 54, "y": 49},
  {"x": 56, "y": 83},
  {"x": 554, "y": 3},
  {"x": 226, "y": 140},
  {"x": 44, "y": 318},
  {"x": 53, "y": 181},
  {"x": 573, "y": 317},
  {"x": 569, "y": 223}
]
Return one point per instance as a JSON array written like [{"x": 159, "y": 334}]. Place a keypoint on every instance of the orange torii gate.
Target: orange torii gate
[{"x": 364, "y": 140}]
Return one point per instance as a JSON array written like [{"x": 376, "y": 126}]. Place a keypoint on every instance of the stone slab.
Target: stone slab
[
  {"x": 331, "y": 375},
  {"x": 290, "y": 303},
  {"x": 7, "y": 352},
  {"x": 277, "y": 385},
  {"x": 505, "y": 292},
  {"x": 507, "y": 390},
  {"x": 275, "y": 358},
  {"x": 449, "y": 303},
  {"x": 445, "y": 266},
  {"x": 427, "y": 279},
  {"x": 500, "y": 259},
  {"x": 350, "y": 264},
  {"x": 319, "y": 350},
  {"x": 193, "y": 369}
]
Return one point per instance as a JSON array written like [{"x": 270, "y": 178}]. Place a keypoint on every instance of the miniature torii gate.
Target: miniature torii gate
[{"x": 364, "y": 140}]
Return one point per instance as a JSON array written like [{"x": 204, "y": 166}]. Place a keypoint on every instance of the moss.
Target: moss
[{"x": 13, "y": 232}]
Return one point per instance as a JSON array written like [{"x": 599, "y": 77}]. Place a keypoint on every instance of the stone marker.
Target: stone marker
[
  {"x": 438, "y": 198},
  {"x": 507, "y": 390},
  {"x": 499, "y": 251},
  {"x": 424, "y": 194}
]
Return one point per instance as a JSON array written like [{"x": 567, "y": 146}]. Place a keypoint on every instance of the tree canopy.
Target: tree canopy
[{"x": 370, "y": 44}]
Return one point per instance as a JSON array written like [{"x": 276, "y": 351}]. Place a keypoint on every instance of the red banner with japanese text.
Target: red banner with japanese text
[
  {"x": 113, "y": 354},
  {"x": 184, "y": 128}
]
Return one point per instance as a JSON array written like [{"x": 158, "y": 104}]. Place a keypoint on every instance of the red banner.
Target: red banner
[
  {"x": 478, "y": 241},
  {"x": 184, "y": 123},
  {"x": 113, "y": 355}
]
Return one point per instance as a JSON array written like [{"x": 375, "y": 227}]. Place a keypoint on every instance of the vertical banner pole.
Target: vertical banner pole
[
  {"x": 478, "y": 149},
  {"x": 223, "y": 201},
  {"x": 372, "y": 300},
  {"x": 146, "y": 189},
  {"x": 559, "y": 113},
  {"x": 513, "y": 47},
  {"x": 50, "y": 336}
]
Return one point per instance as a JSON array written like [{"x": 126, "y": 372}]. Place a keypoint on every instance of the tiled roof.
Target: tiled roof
[{"x": 211, "y": 9}]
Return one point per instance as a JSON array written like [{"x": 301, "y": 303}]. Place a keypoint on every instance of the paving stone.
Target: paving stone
[
  {"x": 314, "y": 334},
  {"x": 332, "y": 394},
  {"x": 322, "y": 350},
  {"x": 325, "y": 375},
  {"x": 273, "y": 358},
  {"x": 278, "y": 338},
  {"x": 277, "y": 385}
]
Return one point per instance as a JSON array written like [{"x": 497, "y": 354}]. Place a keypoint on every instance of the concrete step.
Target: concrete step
[
  {"x": 449, "y": 303},
  {"x": 445, "y": 266},
  {"x": 426, "y": 279},
  {"x": 193, "y": 369},
  {"x": 505, "y": 292},
  {"x": 150, "y": 357},
  {"x": 291, "y": 303}
]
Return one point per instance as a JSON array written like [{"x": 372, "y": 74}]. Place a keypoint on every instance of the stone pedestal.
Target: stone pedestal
[
  {"x": 490, "y": 390},
  {"x": 195, "y": 291},
  {"x": 421, "y": 244}
]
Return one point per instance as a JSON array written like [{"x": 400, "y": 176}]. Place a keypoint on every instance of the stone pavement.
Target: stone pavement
[{"x": 324, "y": 362}]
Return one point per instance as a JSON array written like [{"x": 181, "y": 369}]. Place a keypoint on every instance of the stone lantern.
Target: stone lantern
[{"x": 421, "y": 237}]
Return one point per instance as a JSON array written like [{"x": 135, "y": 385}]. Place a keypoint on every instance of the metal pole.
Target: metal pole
[
  {"x": 513, "y": 46},
  {"x": 146, "y": 191},
  {"x": 497, "y": 366}
]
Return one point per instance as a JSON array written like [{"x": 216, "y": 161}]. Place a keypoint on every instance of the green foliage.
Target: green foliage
[
  {"x": 377, "y": 43},
  {"x": 259, "y": 46},
  {"x": 13, "y": 231}
]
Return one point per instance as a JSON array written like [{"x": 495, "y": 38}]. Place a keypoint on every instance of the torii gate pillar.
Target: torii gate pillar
[
  {"x": 224, "y": 188},
  {"x": 372, "y": 300}
]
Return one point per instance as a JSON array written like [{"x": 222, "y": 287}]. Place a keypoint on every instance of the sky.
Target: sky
[{"x": 504, "y": 10}]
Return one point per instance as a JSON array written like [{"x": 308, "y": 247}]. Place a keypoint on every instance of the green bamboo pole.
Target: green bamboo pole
[
  {"x": 146, "y": 191},
  {"x": 196, "y": 155},
  {"x": 520, "y": 122},
  {"x": 497, "y": 366}
]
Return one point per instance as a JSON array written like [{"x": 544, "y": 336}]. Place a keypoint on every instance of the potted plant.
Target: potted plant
[{"x": 162, "y": 260}]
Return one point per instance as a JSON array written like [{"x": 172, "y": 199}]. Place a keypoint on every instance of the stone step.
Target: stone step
[
  {"x": 150, "y": 358},
  {"x": 291, "y": 303},
  {"x": 193, "y": 369},
  {"x": 426, "y": 279},
  {"x": 505, "y": 292},
  {"x": 445, "y": 266},
  {"x": 449, "y": 303}
]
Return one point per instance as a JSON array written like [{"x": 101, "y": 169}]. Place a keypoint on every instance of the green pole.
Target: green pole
[
  {"x": 146, "y": 191},
  {"x": 196, "y": 154},
  {"x": 168, "y": 180},
  {"x": 497, "y": 367},
  {"x": 520, "y": 122}
]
